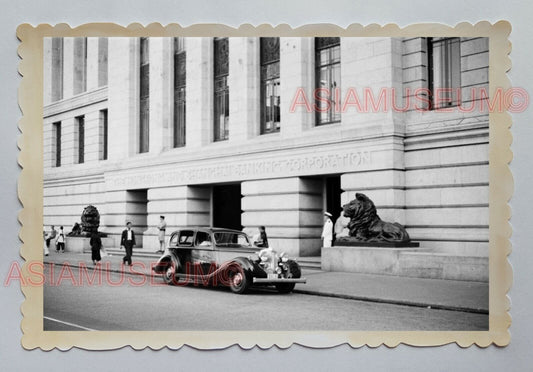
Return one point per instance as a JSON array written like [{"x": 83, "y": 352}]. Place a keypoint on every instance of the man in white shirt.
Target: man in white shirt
[
  {"x": 127, "y": 241},
  {"x": 327, "y": 231}
]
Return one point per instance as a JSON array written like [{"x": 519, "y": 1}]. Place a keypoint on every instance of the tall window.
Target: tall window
[
  {"x": 102, "y": 61},
  {"x": 80, "y": 65},
  {"x": 328, "y": 79},
  {"x": 221, "y": 104},
  {"x": 444, "y": 71},
  {"x": 81, "y": 138},
  {"x": 179, "y": 91},
  {"x": 104, "y": 134},
  {"x": 144, "y": 118},
  {"x": 270, "y": 88},
  {"x": 57, "y": 68},
  {"x": 56, "y": 127}
]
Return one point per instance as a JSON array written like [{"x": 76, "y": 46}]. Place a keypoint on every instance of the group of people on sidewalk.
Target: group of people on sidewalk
[
  {"x": 58, "y": 237},
  {"x": 127, "y": 240}
]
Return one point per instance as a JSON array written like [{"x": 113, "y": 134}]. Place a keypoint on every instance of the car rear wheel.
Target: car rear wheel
[
  {"x": 169, "y": 276},
  {"x": 238, "y": 280}
]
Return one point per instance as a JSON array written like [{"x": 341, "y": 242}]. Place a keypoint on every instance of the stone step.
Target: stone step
[{"x": 310, "y": 263}]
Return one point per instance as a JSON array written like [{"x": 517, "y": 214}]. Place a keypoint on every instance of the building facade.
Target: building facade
[{"x": 241, "y": 132}]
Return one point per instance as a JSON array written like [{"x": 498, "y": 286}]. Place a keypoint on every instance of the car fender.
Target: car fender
[
  {"x": 246, "y": 264},
  {"x": 163, "y": 261}
]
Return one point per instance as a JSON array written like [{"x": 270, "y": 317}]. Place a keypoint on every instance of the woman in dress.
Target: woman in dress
[{"x": 96, "y": 245}]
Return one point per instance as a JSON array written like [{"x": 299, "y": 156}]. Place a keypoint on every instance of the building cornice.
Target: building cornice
[{"x": 75, "y": 102}]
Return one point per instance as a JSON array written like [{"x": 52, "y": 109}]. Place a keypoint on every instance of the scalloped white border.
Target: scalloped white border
[{"x": 31, "y": 195}]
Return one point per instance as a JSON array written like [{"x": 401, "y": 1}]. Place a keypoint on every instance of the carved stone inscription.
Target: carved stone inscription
[{"x": 235, "y": 171}]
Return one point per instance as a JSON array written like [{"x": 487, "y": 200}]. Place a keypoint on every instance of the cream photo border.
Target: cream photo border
[{"x": 30, "y": 193}]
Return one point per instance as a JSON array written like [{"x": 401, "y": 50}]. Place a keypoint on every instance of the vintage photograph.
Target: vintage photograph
[{"x": 247, "y": 184}]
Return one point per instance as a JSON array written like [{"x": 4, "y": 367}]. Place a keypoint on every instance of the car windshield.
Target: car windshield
[{"x": 227, "y": 238}]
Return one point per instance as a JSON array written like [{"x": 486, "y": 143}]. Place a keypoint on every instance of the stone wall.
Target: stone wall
[{"x": 427, "y": 170}]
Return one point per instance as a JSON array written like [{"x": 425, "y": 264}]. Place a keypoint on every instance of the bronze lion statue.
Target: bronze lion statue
[
  {"x": 366, "y": 226},
  {"x": 90, "y": 220}
]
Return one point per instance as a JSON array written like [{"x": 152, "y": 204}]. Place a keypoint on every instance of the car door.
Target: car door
[{"x": 203, "y": 253}]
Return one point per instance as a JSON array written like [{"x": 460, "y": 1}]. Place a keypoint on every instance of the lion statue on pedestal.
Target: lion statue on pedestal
[
  {"x": 366, "y": 226},
  {"x": 90, "y": 220}
]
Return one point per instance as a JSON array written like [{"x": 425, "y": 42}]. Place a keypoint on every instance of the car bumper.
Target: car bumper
[{"x": 278, "y": 280}]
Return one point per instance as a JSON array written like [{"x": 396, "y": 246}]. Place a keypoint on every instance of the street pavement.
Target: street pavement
[
  {"x": 427, "y": 293},
  {"x": 134, "y": 302}
]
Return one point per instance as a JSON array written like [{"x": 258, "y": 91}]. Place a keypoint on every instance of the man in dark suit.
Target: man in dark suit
[{"x": 127, "y": 241}]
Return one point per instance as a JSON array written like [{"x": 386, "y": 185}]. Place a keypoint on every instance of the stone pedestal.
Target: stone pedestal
[
  {"x": 81, "y": 244},
  {"x": 364, "y": 259},
  {"x": 409, "y": 262}
]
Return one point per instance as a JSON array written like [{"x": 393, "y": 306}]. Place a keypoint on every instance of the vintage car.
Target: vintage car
[{"x": 216, "y": 256}]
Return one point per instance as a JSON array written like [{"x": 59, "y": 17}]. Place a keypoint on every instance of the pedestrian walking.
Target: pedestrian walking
[
  {"x": 127, "y": 242},
  {"x": 60, "y": 240},
  {"x": 327, "y": 231},
  {"x": 50, "y": 236},
  {"x": 96, "y": 245},
  {"x": 161, "y": 235}
]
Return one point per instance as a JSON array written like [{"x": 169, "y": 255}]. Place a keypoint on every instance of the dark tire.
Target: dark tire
[
  {"x": 294, "y": 272},
  {"x": 169, "y": 276},
  {"x": 238, "y": 280}
]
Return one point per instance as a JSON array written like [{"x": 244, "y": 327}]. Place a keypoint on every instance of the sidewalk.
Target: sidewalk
[{"x": 434, "y": 293}]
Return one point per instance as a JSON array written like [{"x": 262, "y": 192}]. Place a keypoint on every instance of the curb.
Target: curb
[
  {"x": 318, "y": 293},
  {"x": 393, "y": 302}
]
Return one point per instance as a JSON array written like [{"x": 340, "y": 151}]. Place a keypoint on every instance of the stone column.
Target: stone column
[
  {"x": 49, "y": 144},
  {"x": 161, "y": 93},
  {"x": 93, "y": 140},
  {"x": 291, "y": 211},
  {"x": 370, "y": 72},
  {"x": 92, "y": 63},
  {"x": 297, "y": 71},
  {"x": 122, "y": 206},
  {"x": 68, "y": 67},
  {"x": 199, "y": 91},
  {"x": 47, "y": 71},
  {"x": 123, "y": 98},
  {"x": 414, "y": 72},
  {"x": 244, "y": 85},
  {"x": 69, "y": 141},
  {"x": 370, "y": 68},
  {"x": 181, "y": 206}
]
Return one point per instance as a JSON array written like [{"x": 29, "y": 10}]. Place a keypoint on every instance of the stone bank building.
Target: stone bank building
[{"x": 240, "y": 132}]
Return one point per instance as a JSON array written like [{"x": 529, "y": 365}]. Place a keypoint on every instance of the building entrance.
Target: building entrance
[
  {"x": 227, "y": 206},
  {"x": 137, "y": 213},
  {"x": 333, "y": 196}
]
